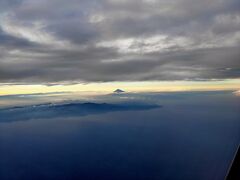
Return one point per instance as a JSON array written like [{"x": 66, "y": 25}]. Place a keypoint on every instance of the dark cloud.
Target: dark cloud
[
  {"x": 5, "y": 5},
  {"x": 12, "y": 42},
  {"x": 111, "y": 40}
]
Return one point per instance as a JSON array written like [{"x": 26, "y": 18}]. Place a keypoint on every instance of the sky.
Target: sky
[{"x": 100, "y": 45}]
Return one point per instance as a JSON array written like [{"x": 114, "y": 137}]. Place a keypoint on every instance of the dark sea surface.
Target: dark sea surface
[{"x": 158, "y": 136}]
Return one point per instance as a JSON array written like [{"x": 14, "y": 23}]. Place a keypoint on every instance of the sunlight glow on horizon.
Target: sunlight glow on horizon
[{"x": 108, "y": 87}]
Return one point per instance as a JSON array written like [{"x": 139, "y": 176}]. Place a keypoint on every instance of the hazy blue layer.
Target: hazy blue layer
[{"x": 192, "y": 136}]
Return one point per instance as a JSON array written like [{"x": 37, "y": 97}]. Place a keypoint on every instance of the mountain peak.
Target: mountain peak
[{"x": 118, "y": 91}]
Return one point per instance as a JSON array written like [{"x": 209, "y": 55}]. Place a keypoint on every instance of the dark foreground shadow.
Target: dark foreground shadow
[
  {"x": 45, "y": 111},
  {"x": 234, "y": 169}
]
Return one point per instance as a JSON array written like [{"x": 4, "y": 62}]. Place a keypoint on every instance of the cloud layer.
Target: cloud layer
[{"x": 60, "y": 41}]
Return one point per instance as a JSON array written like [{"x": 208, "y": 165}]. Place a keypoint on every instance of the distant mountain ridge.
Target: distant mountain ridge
[{"x": 75, "y": 109}]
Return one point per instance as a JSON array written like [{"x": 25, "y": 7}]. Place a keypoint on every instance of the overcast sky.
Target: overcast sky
[{"x": 59, "y": 41}]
